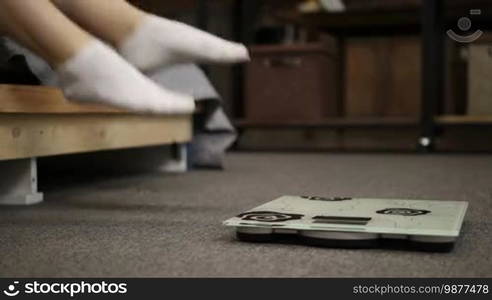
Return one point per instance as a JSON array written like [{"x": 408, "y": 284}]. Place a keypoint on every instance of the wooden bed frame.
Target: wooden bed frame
[{"x": 38, "y": 121}]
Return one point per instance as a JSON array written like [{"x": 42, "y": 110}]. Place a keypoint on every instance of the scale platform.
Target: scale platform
[{"x": 344, "y": 222}]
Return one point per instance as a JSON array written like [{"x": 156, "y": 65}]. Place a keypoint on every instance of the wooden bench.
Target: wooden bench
[{"x": 38, "y": 121}]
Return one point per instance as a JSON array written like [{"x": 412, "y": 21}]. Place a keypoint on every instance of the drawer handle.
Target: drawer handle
[{"x": 283, "y": 62}]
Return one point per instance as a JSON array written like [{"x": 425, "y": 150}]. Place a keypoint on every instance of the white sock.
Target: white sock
[
  {"x": 158, "y": 42},
  {"x": 98, "y": 74}
]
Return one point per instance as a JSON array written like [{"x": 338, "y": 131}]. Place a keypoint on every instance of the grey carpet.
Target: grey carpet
[{"x": 170, "y": 225}]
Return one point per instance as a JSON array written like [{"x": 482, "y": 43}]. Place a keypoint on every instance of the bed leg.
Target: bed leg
[
  {"x": 179, "y": 161},
  {"x": 19, "y": 183}
]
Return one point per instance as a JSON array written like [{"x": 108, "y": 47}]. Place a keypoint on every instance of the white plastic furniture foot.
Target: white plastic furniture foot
[
  {"x": 19, "y": 182},
  {"x": 179, "y": 161}
]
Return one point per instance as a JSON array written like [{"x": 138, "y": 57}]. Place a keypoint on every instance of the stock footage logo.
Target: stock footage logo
[
  {"x": 68, "y": 288},
  {"x": 465, "y": 25},
  {"x": 11, "y": 290}
]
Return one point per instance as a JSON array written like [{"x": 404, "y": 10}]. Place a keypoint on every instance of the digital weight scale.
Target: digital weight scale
[{"x": 354, "y": 222}]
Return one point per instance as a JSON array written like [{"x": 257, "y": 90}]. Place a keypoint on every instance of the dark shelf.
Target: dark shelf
[
  {"x": 374, "y": 122},
  {"x": 343, "y": 22},
  {"x": 447, "y": 120},
  {"x": 463, "y": 121}
]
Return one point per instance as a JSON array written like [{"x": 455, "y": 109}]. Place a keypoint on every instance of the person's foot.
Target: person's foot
[
  {"x": 159, "y": 42},
  {"x": 98, "y": 74}
]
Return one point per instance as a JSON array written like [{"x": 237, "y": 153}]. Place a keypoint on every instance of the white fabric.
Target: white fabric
[
  {"x": 158, "y": 42},
  {"x": 98, "y": 74}
]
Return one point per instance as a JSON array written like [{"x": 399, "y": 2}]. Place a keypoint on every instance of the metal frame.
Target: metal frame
[{"x": 433, "y": 65}]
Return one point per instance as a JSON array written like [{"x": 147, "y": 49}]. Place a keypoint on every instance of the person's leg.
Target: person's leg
[
  {"x": 21, "y": 37},
  {"x": 40, "y": 26},
  {"x": 88, "y": 69},
  {"x": 149, "y": 41},
  {"x": 110, "y": 20}
]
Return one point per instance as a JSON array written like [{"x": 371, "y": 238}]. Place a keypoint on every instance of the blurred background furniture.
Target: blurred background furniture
[{"x": 398, "y": 70}]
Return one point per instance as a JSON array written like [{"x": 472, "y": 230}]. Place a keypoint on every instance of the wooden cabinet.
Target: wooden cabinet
[
  {"x": 382, "y": 76},
  {"x": 292, "y": 83},
  {"x": 479, "y": 75}
]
